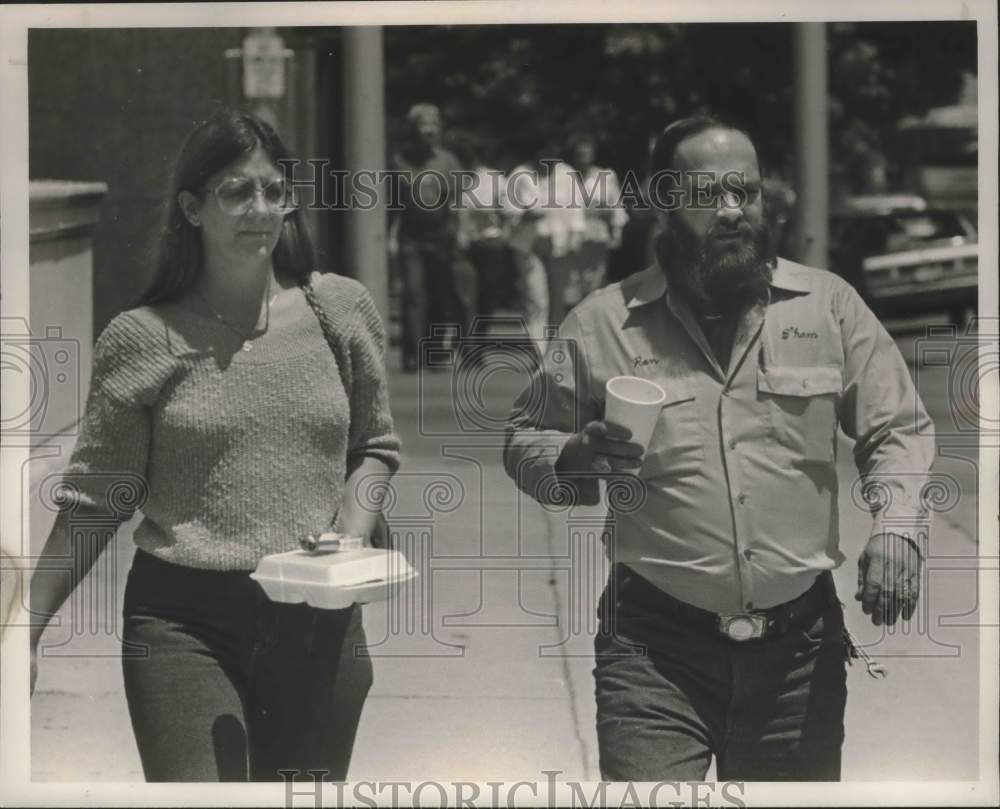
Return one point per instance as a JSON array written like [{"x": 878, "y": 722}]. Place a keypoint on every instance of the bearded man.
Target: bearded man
[{"x": 721, "y": 632}]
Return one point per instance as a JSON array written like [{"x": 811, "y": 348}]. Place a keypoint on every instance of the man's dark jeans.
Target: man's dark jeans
[
  {"x": 233, "y": 686},
  {"x": 557, "y": 272},
  {"x": 770, "y": 709},
  {"x": 439, "y": 289},
  {"x": 495, "y": 264}
]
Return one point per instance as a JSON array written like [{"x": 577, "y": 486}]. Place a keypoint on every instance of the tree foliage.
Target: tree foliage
[{"x": 523, "y": 89}]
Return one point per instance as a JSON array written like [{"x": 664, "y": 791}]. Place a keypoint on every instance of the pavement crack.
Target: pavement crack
[{"x": 574, "y": 697}]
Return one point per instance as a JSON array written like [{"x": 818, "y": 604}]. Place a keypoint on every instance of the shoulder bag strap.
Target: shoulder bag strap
[
  {"x": 382, "y": 535},
  {"x": 332, "y": 336}
]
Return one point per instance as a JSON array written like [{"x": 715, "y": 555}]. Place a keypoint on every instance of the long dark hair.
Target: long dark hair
[{"x": 211, "y": 146}]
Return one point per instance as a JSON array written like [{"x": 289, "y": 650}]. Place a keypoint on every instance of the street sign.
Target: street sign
[{"x": 263, "y": 64}]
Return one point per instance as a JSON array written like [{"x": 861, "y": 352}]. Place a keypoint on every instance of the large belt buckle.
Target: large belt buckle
[{"x": 741, "y": 626}]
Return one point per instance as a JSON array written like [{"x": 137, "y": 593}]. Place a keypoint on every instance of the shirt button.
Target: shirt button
[
  {"x": 742, "y": 498},
  {"x": 749, "y": 605},
  {"x": 748, "y": 553},
  {"x": 732, "y": 443}
]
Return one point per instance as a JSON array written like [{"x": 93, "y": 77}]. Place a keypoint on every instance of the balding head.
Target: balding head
[{"x": 665, "y": 151}]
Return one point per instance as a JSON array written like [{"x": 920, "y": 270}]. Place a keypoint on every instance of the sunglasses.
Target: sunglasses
[{"x": 236, "y": 196}]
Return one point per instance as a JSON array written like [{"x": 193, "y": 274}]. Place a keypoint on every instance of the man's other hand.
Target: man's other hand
[{"x": 888, "y": 578}]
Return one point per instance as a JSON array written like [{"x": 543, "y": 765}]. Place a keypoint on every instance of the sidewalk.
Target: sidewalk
[
  {"x": 488, "y": 693},
  {"x": 470, "y": 679},
  {"x": 482, "y": 666}
]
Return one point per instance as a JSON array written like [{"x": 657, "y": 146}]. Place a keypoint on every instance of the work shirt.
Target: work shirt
[{"x": 740, "y": 479}]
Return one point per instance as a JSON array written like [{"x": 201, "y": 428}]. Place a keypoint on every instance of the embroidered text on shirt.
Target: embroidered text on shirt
[
  {"x": 641, "y": 361},
  {"x": 792, "y": 331}
]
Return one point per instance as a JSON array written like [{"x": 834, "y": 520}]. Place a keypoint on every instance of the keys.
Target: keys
[{"x": 854, "y": 651}]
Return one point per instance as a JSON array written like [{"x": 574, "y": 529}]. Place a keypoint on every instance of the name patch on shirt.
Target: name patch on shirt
[
  {"x": 640, "y": 362},
  {"x": 793, "y": 331}
]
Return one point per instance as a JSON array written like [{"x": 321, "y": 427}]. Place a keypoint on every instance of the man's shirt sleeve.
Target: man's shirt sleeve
[
  {"x": 882, "y": 411},
  {"x": 556, "y": 405}
]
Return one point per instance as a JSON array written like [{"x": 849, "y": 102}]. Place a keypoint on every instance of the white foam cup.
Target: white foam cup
[{"x": 635, "y": 403}]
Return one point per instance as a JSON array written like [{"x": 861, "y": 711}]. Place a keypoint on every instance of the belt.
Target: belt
[{"x": 736, "y": 626}]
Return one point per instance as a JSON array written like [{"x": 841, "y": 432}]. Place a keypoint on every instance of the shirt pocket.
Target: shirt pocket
[
  {"x": 676, "y": 446},
  {"x": 802, "y": 404}
]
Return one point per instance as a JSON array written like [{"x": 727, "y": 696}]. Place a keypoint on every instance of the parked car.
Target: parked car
[{"x": 905, "y": 257}]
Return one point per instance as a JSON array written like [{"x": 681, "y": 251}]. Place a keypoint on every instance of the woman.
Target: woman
[{"x": 220, "y": 406}]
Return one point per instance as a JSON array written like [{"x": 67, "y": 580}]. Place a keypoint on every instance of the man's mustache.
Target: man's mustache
[{"x": 742, "y": 229}]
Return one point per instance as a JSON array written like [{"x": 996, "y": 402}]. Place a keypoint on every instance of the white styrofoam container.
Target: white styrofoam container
[{"x": 334, "y": 580}]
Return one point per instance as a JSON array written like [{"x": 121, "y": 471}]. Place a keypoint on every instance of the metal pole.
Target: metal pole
[
  {"x": 306, "y": 108},
  {"x": 811, "y": 145},
  {"x": 364, "y": 150}
]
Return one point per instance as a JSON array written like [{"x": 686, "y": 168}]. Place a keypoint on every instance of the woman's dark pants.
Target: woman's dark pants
[{"x": 225, "y": 685}]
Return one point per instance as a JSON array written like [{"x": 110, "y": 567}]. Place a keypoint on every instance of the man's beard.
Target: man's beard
[{"x": 720, "y": 276}]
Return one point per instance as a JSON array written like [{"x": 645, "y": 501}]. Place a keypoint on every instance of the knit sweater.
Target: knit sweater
[{"x": 230, "y": 454}]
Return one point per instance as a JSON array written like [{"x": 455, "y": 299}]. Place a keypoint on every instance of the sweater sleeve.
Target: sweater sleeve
[
  {"x": 372, "y": 433},
  {"x": 106, "y": 474}
]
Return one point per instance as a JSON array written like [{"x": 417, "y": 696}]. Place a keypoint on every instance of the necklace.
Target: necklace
[{"x": 246, "y": 338}]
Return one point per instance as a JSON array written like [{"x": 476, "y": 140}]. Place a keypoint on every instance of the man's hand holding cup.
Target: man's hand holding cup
[
  {"x": 616, "y": 444},
  {"x": 602, "y": 448}
]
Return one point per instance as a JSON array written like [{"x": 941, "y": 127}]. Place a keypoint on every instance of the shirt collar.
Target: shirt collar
[
  {"x": 786, "y": 277},
  {"x": 650, "y": 284},
  {"x": 647, "y": 286}
]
